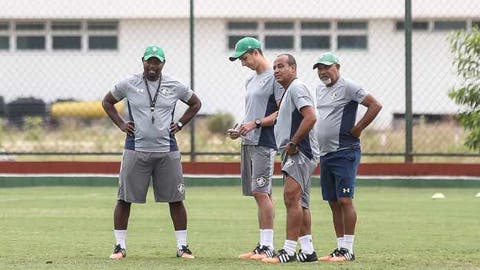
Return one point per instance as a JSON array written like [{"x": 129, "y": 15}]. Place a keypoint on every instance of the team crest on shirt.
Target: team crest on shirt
[
  {"x": 181, "y": 188},
  {"x": 262, "y": 83},
  {"x": 166, "y": 91},
  {"x": 261, "y": 182},
  {"x": 334, "y": 95}
]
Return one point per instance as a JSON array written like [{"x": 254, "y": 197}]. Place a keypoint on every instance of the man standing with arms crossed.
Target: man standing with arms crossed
[
  {"x": 296, "y": 140},
  {"x": 151, "y": 151},
  {"x": 338, "y": 136},
  {"x": 258, "y": 140}
]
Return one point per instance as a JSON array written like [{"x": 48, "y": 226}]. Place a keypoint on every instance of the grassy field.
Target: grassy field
[{"x": 71, "y": 228}]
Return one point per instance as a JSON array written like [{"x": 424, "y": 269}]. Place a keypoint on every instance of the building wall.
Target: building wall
[{"x": 220, "y": 83}]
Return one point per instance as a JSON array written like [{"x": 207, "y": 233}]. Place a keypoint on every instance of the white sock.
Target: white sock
[
  {"x": 339, "y": 242},
  {"x": 120, "y": 236},
  {"x": 306, "y": 243},
  {"x": 266, "y": 237},
  {"x": 290, "y": 246},
  {"x": 181, "y": 238},
  {"x": 348, "y": 242}
]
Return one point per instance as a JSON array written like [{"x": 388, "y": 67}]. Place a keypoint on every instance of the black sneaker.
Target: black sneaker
[
  {"x": 304, "y": 257},
  {"x": 184, "y": 252},
  {"x": 118, "y": 253},
  {"x": 343, "y": 256},
  {"x": 281, "y": 257},
  {"x": 263, "y": 252},
  {"x": 335, "y": 253}
]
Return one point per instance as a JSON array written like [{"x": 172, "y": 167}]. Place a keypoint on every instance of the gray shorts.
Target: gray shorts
[
  {"x": 163, "y": 169},
  {"x": 300, "y": 168},
  {"x": 257, "y": 169}
]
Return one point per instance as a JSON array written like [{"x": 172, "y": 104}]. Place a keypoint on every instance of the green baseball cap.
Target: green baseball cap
[
  {"x": 154, "y": 51},
  {"x": 243, "y": 45},
  {"x": 327, "y": 59}
]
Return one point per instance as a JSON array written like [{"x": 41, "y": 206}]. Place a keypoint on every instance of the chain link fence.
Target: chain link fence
[{"x": 59, "y": 60}]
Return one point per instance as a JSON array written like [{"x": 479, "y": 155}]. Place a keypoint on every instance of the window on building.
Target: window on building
[
  {"x": 279, "y": 35},
  {"x": 301, "y": 35},
  {"x": 416, "y": 25},
  {"x": 278, "y": 42},
  {"x": 449, "y": 25},
  {"x": 240, "y": 29},
  {"x": 315, "y": 42},
  {"x": 4, "y": 36},
  {"x": 4, "y": 43},
  {"x": 352, "y": 35},
  {"x": 476, "y": 24},
  {"x": 66, "y": 35},
  {"x": 102, "y": 35},
  {"x": 30, "y": 35},
  {"x": 315, "y": 35}
]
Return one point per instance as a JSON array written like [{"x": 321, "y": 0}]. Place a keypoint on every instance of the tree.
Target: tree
[{"x": 465, "y": 46}]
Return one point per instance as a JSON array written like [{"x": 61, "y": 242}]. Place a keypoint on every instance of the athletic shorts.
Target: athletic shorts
[
  {"x": 164, "y": 170},
  {"x": 338, "y": 172},
  {"x": 300, "y": 168},
  {"x": 257, "y": 169}
]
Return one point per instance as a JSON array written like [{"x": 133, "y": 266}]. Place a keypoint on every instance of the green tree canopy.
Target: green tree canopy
[{"x": 465, "y": 46}]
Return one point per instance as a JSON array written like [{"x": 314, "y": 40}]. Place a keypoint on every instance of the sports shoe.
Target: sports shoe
[
  {"x": 335, "y": 253},
  {"x": 247, "y": 255},
  {"x": 344, "y": 255},
  {"x": 184, "y": 252},
  {"x": 118, "y": 253},
  {"x": 264, "y": 252},
  {"x": 304, "y": 257},
  {"x": 281, "y": 257}
]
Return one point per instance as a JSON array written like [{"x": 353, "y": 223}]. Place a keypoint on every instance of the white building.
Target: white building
[{"x": 59, "y": 49}]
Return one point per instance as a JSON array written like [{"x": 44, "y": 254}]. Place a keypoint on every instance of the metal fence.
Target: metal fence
[{"x": 58, "y": 62}]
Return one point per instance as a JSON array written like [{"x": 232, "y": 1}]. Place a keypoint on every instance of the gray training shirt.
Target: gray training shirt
[
  {"x": 263, "y": 92},
  {"x": 156, "y": 136},
  {"x": 336, "y": 114},
  {"x": 289, "y": 118}
]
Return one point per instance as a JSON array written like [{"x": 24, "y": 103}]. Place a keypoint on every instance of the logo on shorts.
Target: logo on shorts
[
  {"x": 289, "y": 163},
  {"x": 346, "y": 190},
  {"x": 261, "y": 182},
  {"x": 181, "y": 188}
]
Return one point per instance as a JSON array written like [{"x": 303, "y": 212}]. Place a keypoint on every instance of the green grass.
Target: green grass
[{"x": 71, "y": 228}]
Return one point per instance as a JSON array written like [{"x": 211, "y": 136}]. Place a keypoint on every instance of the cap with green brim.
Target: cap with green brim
[
  {"x": 327, "y": 59},
  {"x": 244, "y": 45},
  {"x": 154, "y": 51}
]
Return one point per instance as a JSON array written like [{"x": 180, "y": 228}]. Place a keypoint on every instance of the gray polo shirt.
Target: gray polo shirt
[
  {"x": 148, "y": 136},
  {"x": 336, "y": 114},
  {"x": 289, "y": 118},
  {"x": 262, "y": 94}
]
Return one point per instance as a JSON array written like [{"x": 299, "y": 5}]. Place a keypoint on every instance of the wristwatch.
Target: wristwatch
[
  {"x": 258, "y": 123},
  {"x": 291, "y": 144},
  {"x": 179, "y": 125}
]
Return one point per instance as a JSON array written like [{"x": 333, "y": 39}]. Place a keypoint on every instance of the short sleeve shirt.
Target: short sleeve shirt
[
  {"x": 289, "y": 118},
  {"x": 151, "y": 136},
  {"x": 336, "y": 115},
  {"x": 262, "y": 94}
]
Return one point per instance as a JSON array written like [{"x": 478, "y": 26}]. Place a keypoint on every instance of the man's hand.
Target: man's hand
[
  {"x": 291, "y": 149},
  {"x": 128, "y": 127},
  {"x": 246, "y": 127},
  {"x": 233, "y": 132}
]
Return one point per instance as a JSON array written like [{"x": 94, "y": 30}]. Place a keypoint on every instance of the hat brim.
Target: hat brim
[
  {"x": 326, "y": 63},
  {"x": 236, "y": 55},
  {"x": 146, "y": 57}
]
